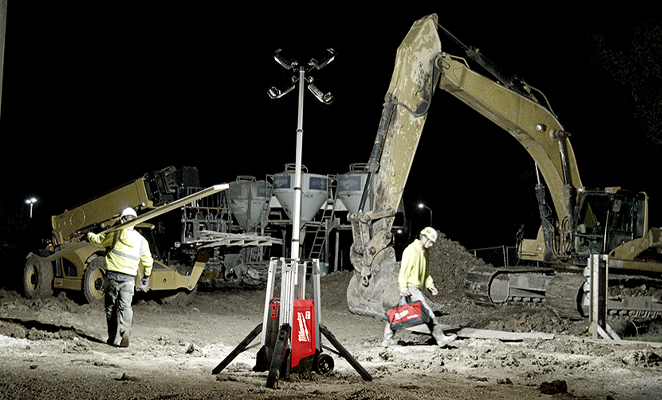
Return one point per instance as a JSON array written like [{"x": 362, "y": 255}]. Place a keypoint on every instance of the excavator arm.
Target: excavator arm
[
  {"x": 538, "y": 131},
  {"x": 373, "y": 287}
]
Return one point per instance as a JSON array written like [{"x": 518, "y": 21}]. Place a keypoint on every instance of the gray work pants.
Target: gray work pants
[
  {"x": 416, "y": 295},
  {"x": 119, "y": 315}
]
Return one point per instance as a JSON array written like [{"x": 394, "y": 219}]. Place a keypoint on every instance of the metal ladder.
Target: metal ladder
[{"x": 326, "y": 223}]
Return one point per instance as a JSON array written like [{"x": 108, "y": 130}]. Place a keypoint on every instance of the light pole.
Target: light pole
[
  {"x": 421, "y": 206},
  {"x": 31, "y": 202},
  {"x": 276, "y": 93}
]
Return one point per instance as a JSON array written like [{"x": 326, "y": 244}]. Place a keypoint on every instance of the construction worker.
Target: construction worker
[
  {"x": 413, "y": 277},
  {"x": 127, "y": 250}
]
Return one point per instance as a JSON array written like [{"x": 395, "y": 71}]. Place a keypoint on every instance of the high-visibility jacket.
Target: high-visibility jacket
[
  {"x": 128, "y": 249},
  {"x": 414, "y": 267}
]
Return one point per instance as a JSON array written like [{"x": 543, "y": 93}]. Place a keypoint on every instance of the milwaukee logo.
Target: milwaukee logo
[
  {"x": 405, "y": 315},
  {"x": 304, "y": 335}
]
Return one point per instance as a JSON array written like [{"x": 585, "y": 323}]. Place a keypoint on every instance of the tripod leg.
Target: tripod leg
[
  {"x": 237, "y": 350},
  {"x": 279, "y": 355},
  {"x": 343, "y": 352}
]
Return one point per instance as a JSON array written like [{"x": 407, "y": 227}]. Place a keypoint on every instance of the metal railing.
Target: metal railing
[
  {"x": 501, "y": 256},
  {"x": 497, "y": 256}
]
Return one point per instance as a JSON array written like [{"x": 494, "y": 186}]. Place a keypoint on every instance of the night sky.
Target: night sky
[{"x": 96, "y": 95}]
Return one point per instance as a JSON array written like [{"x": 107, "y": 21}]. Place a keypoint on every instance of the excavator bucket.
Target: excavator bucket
[{"x": 374, "y": 287}]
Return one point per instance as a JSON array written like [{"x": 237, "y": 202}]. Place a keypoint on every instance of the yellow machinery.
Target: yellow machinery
[
  {"x": 72, "y": 263},
  {"x": 579, "y": 222}
]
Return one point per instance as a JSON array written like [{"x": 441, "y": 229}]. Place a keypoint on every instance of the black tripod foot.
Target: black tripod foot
[{"x": 238, "y": 350}]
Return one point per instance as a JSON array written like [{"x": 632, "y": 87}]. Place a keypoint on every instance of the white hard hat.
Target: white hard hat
[
  {"x": 128, "y": 212},
  {"x": 430, "y": 233}
]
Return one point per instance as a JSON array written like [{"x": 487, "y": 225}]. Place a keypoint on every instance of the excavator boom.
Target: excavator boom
[
  {"x": 534, "y": 127},
  {"x": 403, "y": 117}
]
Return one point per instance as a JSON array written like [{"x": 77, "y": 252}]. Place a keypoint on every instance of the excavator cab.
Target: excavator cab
[
  {"x": 627, "y": 219},
  {"x": 606, "y": 220},
  {"x": 590, "y": 232}
]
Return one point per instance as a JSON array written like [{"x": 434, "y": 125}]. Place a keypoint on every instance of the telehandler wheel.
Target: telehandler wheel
[
  {"x": 37, "y": 278},
  {"x": 94, "y": 281}
]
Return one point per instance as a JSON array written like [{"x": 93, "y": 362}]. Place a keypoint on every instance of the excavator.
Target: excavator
[{"x": 575, "y": 221}]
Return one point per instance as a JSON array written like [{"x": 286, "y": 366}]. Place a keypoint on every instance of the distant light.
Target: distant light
[
  {"x": 422, "y": 206},
  {"x": 31, "y": 201}
]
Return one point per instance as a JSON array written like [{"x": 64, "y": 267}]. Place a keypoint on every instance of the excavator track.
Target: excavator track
[
  {"x": 564, "y": 294},
  {"x": 562, "y": 291},
  {"x": 477, "y": 284},
  {"x": 634, "y": 296},
  {"x": 505, "y": 285},
  {"x": 489, "y": 285}
]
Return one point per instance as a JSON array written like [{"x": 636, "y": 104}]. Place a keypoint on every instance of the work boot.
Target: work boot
[
  {"x": 125, "y": 340},
  {"x": 112, "y": 339},
  {"x": 388, "y": 336},
  {"x": 440, "y": 337},
  {"x": 445, "y": 340}
]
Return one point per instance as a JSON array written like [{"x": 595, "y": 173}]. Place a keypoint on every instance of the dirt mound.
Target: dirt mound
[{"x": 449, "y": 264}]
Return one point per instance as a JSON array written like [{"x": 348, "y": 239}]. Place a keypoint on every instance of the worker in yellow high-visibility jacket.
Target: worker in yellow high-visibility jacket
[
  {"x": 128, "y": 250},
  {"x": 413, "y": 277}
]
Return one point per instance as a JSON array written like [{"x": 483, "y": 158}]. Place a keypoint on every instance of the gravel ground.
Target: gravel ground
[{"x": 55, "y": 348}]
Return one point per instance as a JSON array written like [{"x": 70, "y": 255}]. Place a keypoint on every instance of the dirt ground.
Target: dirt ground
[{"x": 55, "y": 349}]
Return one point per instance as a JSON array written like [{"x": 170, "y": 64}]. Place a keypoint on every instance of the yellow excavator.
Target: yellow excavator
[{"x": 577, "y": 223}]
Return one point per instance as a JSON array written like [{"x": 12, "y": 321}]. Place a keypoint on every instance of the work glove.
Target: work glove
[{"x": 143, "y": 284}]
